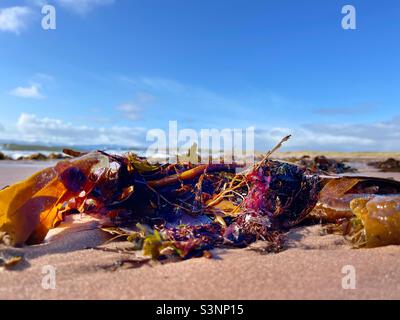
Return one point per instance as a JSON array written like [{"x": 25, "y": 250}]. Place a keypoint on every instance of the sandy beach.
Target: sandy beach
[{"x": 310, "y": 267}]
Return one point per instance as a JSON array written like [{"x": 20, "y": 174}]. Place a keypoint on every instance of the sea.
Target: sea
[{"x": 16, "y": 151}]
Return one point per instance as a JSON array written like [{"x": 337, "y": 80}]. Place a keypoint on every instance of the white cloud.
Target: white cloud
[
  {"x": 31, "y": 128},
  {"x": 378, "y": 136},
  {"x": 14, "y": 19},
  {"x": 83, "y": 6},
  {"x": 375, "y": 136},
  {"x": 32, "y": 91}
]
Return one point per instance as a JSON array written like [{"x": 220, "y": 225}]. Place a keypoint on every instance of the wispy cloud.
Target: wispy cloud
[
  {"x": 162, "y": 84},
  {"x": 177, "y": 100},
  {"x": 38, "y": 3},
  {"x": 32, "y": 91},
  {"x": 130, "y": 110},
  {"x": 14, "y": 19},
  {"x": 133, "y": 110},
  {"x": 43, "y": 77},
  {"x": 32, "y": 128},
  {"x": 367, "y": 107},
  {"x": 82, "y": 7}
]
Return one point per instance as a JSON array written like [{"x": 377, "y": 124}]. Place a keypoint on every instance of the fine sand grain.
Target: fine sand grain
[{"x": 311, "y": 267}]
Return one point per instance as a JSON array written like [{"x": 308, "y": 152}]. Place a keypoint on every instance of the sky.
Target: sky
[{"x": 114, "y": 69}]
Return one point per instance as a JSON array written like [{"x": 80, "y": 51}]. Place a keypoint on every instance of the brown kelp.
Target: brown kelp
[
  {"x": 376, "y": 222},
  {"x": 30, "y": 208},
  {"x": 366, "y": 210},
  {"x": 338, "y": 192}
]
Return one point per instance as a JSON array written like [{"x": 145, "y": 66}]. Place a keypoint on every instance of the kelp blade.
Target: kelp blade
[
  {"x": 28, "y": 209},
  {"x": 337, "y": 194},
  {"x": 332, "y": 203},
  {"x": 22, "y": 204},
  {"x": 380, "y": 217}
]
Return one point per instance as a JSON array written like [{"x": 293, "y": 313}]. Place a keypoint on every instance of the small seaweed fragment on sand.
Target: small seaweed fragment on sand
[{"x": 9, "y": 262}]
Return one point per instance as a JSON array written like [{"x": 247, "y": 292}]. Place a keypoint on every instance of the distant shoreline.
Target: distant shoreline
[
  {"x": 347, "y": 156},
  {"x": 45, "y": 155}
]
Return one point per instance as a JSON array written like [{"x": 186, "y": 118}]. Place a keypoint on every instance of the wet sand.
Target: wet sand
[
  {"x": 13, "y": 171},
  {"x": 311, "y": 267}
]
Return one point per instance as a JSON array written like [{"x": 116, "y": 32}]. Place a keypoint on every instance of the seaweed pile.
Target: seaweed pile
[
  {"x": 184, "y": 210},
  {"x": 322, "y": 164},
  {"x": 389, "y": 165}
]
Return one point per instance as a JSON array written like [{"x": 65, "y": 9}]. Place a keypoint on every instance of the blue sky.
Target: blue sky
[{"x": 115, "y": 68}]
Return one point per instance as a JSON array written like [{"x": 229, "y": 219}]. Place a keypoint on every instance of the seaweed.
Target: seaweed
[
  {"x": 322, "y": 164},
  {"x": 389, "y": 165},
  {"x": 184, "y": 210},
  {"x": 10, "y": 262}
]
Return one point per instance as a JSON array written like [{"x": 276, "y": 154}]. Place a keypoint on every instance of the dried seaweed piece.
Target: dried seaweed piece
[
  {"x": 74, "y": 153},
  {"x": 10, "y": 262},
  {"x": 126, "y": 264}
]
